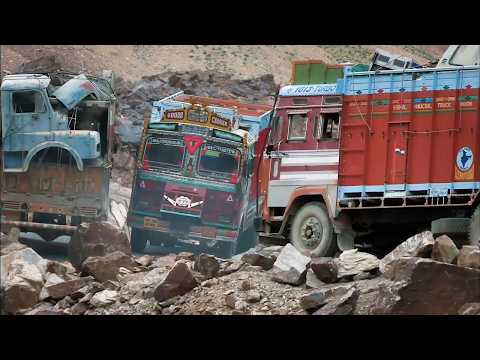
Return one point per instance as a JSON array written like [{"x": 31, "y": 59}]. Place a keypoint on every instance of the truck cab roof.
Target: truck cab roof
[{"x": 25, "y": 81}]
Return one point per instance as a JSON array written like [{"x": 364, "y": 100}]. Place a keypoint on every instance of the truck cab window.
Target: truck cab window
[
  {"x": 297, "y": 127},
  {"x": 28, "y": 102},
  {"x": 328, "y": 127}
]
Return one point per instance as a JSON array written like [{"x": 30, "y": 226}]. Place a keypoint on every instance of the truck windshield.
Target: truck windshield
[
  {"x": 218, "y": 161},
  {"x": 166, "y": 153}
]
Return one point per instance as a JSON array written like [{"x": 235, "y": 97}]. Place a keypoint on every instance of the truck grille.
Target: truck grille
[
  {"x": 88, "y": 211},
  {"x": 11, "y": 205}
]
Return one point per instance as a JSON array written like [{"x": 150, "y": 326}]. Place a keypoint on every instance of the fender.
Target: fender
[
  {"x": 33, "y": 151},
  {"x": 318, "y": 191}
]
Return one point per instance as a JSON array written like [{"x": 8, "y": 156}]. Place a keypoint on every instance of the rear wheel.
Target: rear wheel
[
  {"x": 475, "y": 228},
  {"x": 138, "y": 240},
  {"x": 312, "y": 232}
]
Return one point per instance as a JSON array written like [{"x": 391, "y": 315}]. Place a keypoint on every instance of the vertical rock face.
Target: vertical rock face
[
  {"x": 423, "y": 286},
  {"x": 178, "y": 281},
  {"x": 290, "y": 266},
  {"x": 469, "y": 256},
  {"x": 444, "y": 250},
  {"x": 419, "y": 245},
  {"x": 96, "y": 239}
]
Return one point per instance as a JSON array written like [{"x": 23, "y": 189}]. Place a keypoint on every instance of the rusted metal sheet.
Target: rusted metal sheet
[
  {"x": 74, "y": 91},
  {"x": 55, "y": 180}
]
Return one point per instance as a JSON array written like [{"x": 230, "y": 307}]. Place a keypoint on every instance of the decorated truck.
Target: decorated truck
[
  {"x": 195, "y": 186},
  {"x": 56, "y": 150},
  {"x": 375, "y": 149}
]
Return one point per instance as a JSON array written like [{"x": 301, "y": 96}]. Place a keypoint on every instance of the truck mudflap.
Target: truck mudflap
[{"x": 69, "y": 229}]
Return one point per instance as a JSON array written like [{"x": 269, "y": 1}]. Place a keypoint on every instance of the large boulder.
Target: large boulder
[
  {"x": 343, "y": 304},
  {"x": 207, "y": 265},
  {"x": 60, "y": 289},
  {"x": 322, "y": 296},
  {"x": 21, "y": 286},
  {"x": 419, "y": 245},
  {"x": 104, "y": 268},
  {"x": 178, "y": 281},
  {"x": 104, "y": 298},
  {"x": 9, "y": 243},
  {"x": 290, "y": 266},
  {"x": 259, "y": 259},
  {"x": 96, "y": 239},
  {"x": 325, "y": 269},
  {"x": 418, "y": 286},
  {"x": 353, "y": 262},
  {"x": 469, "y": 256},
  {"x": 444, "y": 250}
]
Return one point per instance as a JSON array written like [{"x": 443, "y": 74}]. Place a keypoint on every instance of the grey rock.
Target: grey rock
[
  {"x": 444, "y": 250},
  {"x": 107, "y": 267},
  {"x": 325, "y": 269},
  {"x": 469, "y": 256},
  {"x": 420, "y": 245},
  {"x": 178, "y": 281},
  {"x": 207, "y": 265},
  {"x": 290, "y": 266},
  {"x": 312, "y": 280},
  {"x": 353, "y": 262}
]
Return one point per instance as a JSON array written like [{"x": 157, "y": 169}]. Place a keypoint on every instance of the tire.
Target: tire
[
  {"x": 138, "y": 240},
  {"x": 312, "y": 232},
  {"x": 475, "y": 228},
  {"x": 247, "y": 239}
]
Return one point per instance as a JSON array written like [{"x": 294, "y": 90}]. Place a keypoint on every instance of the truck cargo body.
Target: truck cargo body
[
  {"x": 404, "y": 141},
  {"x": 410, "y": 138}
]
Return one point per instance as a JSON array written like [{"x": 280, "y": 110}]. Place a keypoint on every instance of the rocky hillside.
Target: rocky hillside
[{"x": 131, "y": 62}]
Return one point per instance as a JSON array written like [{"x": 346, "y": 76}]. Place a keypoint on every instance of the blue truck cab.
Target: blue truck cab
[{"x": 41, "y": 112}]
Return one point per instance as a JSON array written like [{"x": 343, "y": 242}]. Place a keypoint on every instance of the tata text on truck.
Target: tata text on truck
[
  {"x": 195, "y": 184},
  {"x": 376, "y": 149},
  {"x": 56, "y": 150}
]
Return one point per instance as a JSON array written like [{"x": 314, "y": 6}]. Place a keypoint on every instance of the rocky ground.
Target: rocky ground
[{"x": 423, "y": 275}]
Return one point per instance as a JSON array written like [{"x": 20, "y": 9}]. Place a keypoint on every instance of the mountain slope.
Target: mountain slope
[{"x": 131, "y": 62}]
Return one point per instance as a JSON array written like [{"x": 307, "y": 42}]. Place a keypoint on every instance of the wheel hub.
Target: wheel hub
[{"x": 311, "y": 232}]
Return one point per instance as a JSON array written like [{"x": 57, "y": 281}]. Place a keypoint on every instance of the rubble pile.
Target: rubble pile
[{"x": 420, "y": 276}]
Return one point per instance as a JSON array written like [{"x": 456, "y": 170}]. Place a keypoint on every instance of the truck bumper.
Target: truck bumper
[
  {"x": 189, "y": 234},
  {"x": 31, "y": 225}
]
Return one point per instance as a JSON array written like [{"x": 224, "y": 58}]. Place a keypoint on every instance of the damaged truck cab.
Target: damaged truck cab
[
  {"x": 56, "y": 155},
  {"x": 195, "y": 183},
  {"x": 37, "y": 115}
]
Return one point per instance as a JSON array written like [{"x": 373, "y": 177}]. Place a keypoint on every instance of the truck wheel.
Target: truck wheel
[
  {"x": 475, "y": 227},
  {"x": 138, "y": 240},
  {"x": 247, "y": 240},
  {"x": 312, "y": 231}
]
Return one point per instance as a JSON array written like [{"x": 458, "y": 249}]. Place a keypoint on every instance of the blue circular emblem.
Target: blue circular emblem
[{"x": 464, "y": 159}]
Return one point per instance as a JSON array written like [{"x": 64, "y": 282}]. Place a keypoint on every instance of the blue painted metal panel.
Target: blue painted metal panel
[
  {"x": 74, "y": 91},
  {"x": 411, "y": 80}
]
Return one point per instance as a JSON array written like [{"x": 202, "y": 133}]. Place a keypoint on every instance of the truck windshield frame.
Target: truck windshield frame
[
  {"x": 168, "y": 158},
  {"x": 218, "y": 154}
]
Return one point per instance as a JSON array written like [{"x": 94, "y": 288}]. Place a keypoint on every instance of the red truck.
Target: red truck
[{"x": 375, "y": 149}]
